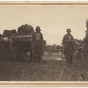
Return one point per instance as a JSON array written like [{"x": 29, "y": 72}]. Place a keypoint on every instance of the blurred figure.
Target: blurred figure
[
  {"x": 85, "y": 46},
  {"x": 67, "y": 43},
  {"x": 60, "y": 54},
  {"x": 85, "y": 41},
  {"x": 1, "y": 47},
  {"x": 78, "y": 53},
  {"x": 49, "y": 50}
]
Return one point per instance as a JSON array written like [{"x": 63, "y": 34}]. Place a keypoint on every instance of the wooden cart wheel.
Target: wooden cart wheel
[
  {"x": 6, "y": 54},
  {"x": 21, "y": 55},
  {"x": 24, "y": 56},
  {"x": 15, "y": 54}
]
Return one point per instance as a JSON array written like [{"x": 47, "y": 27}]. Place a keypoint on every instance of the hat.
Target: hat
[
  {"x": 38, "y": 28},
  {"x": 68, "y": 30}
]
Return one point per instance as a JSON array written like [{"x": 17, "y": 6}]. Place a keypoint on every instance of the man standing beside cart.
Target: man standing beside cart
[
  {"x": 38, "y": 44},
  {"x": 68, "y": 46}
]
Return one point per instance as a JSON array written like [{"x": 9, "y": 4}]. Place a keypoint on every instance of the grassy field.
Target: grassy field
[{"x": 52, "y": 68}]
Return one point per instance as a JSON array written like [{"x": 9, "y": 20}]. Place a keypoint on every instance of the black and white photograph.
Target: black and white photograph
[{"x": 44, "y": 43}]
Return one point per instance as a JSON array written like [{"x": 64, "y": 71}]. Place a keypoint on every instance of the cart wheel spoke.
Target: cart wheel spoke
[
  {"x": 14, "y": 54},
  {"x": 26, "y": 56}
]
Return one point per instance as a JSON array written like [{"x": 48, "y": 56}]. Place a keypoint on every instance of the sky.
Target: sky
[{"x": 52, "y": 19}]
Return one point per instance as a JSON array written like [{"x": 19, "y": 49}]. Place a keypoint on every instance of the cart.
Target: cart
[{"x": 21, "y": 44}]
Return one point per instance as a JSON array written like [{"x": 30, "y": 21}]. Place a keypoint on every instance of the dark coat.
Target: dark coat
[
  {"x": 34, "y": 39},
  {"x": 66, "y": 43}
]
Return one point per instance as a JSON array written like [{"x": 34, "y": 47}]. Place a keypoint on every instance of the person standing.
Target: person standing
[
  {"x": 38, "y": 43},
  {"x": 85, "y": 46},
  {"x": 68, "y": 45},
  {"x": 85, "y": 41},
  {"x": 1, "y": 46}
]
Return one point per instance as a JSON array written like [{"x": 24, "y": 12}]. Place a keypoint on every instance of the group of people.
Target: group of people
[{"x": 67, "y": 42}]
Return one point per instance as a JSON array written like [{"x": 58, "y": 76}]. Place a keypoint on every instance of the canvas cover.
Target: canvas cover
[
  {"x": 25, "y": 30},
  {"x": 8, "y": 33}
]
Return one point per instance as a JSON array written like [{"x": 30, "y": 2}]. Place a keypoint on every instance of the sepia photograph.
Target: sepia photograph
[{"x": 44, "y": 42}]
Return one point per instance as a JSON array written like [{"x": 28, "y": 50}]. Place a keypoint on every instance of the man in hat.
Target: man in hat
[
  {"x": 38, "y": 43},
  {"x": 68, "y": 46}
]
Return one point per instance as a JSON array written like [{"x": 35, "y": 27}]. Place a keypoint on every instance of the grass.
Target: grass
[{"x": 50, "y": 70}]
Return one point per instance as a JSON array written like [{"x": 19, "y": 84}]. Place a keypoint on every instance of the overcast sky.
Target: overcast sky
[{"x": 53, "y": 20}]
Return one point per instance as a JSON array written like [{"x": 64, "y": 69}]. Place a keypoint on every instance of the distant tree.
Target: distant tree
[
  {"x": 58, "y": 47},
  {"x": 54, "y": 46}
]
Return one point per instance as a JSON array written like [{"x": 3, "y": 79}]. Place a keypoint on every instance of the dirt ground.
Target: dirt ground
[{"x": 52, "y": 68}]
